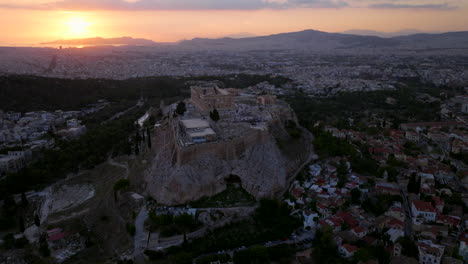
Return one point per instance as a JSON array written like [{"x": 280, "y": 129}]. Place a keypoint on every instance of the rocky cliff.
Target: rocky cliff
[{"x": 264, "y": 168}]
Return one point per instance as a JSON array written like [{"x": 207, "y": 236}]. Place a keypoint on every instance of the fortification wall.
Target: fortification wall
[{"x": 225, "y": 150}]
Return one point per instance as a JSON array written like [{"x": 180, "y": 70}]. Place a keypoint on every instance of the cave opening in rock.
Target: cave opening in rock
[{"x": 233, "y": 180}]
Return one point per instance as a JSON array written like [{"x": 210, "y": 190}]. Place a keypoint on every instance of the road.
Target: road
[
  {"x": 406, "y": 208},
  {"x": 141, "y": 236},
  {"x": 124, "y": 166},
  {"x": 300, "y": 240}
]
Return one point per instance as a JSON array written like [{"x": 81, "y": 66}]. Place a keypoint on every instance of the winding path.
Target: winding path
[{"x": 141, "y": 236}]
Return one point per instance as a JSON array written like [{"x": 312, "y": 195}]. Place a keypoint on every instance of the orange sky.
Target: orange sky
[{"x": 32, "y": 25}]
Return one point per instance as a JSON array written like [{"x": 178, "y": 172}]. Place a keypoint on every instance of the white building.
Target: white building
[
  {"x": 9, "y": 164},
  {"x": 197, "y": 130},
  {"x": 395, "y": 234},
  {"x": 309, "y": 220},
  {"x": 347, "y": 250},
  {"x": 463, "y": 249},
  {"x": 423, "y": 212},
  {"x": 430, "y": 253},
  {"x": 359, "y": 231}
]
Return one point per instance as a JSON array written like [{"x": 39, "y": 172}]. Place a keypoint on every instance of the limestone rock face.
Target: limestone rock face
[{"x": 264, "y": 169}]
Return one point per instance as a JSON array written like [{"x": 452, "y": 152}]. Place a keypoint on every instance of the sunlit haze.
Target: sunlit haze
[{"x": 165, "y": 21}]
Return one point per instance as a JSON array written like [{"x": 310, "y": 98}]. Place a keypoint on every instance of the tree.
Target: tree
[
  {"x": 325, "y": 250},
  {"x": 413, "y": 184},
  {"x": 131, "y": 229},
  {"x": 44, "y": 249},
  {"x": 361, "y": 254},
  {"x": 21, "y": 224},
  {"x": 8, "y": 241},
  {"x": 121, "y": 185},
  {"x": 214, "y": 115},
  {"x": 342, "y": 168},
  {"x": 418, "y": 185},
  {"x": 342, "y": 171},
  {"x": 24, "y": 200},
  {"x": 148, "y": 133},
  {"x": 185, "y": 222},
  {"x": 180, "y": 109},
  {"x": 344, "y": 226},
  {"x": 355, "y": 196},
  {"x": 37, "y": 220},
  {"x": 259, "y": 254},
  {"x": 137, "y": 148}
]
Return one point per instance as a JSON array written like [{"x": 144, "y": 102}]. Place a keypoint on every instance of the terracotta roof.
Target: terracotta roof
[
  {"x": 297, "y": 192},
  {"x": 56, "y": 237},
  {"x": 423, "y": 206},
  {"x": 359, "y": 229},
  {"x": 350, "y": 248},
  {"x": 448, "y": 219},
  {"x": 430, "y": 248},
  {"x": 431, "y": 124},
  {"x": 437, "y": 200},
  {"x": 464, "y": 237},
  {"x": 348, "y": 218},
  {"x": 395, "y": 223}
]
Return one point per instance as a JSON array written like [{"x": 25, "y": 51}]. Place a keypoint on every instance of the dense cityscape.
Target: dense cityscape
[{"x": 304, "y": 147}]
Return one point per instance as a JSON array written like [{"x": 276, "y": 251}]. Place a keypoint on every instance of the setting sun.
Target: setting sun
[{"x": 77, "y": 26}]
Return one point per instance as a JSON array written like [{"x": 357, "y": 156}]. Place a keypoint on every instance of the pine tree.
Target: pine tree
[
  {"x": 137, "y": 137},
  {"x": 417, "y": 188},
  {"x": 412, "y": 183},
  {"x": 137, "y": 149},
  {"x": 214, "y": 115},
  {"x": 44, "y": 249},
  {"x": 24, "y": 201},
  {"x": 37, "y": 221},
  {"x": 148, "y": 134},
  {"x": 21, "y": 224},
  {"x": 180, "y": 109}
]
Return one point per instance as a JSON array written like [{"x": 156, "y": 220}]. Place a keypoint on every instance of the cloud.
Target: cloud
[
  {"x": 176, "y": 4},
  {"x": 444, "y": 6},
  {"x": 129, "y": 5}
]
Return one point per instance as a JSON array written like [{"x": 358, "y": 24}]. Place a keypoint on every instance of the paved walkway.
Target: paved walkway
[{"x": 141, "y": 236}]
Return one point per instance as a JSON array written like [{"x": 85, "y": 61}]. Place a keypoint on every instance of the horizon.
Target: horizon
[
  {"x": 36, "y": 21},
  {"x": 243, "y": 35}
]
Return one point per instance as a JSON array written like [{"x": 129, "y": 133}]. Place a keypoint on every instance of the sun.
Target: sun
[{"x": 77, "y": 26}]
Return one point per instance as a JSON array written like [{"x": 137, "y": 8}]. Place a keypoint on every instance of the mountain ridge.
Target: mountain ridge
[
  {"x": 313, "y": 39},
  {"x": 102, "y": 41},
  {"x": 305, "y": 39}
]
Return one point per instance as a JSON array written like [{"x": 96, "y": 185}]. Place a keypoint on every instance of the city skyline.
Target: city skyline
[{"x": 35, "y": 21}]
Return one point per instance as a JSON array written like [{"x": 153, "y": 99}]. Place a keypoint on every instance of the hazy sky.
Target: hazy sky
[{"x": 32, "y": 21}]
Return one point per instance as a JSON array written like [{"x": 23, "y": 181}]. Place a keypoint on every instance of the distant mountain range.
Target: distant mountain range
[
  {"x": 103, "y": 41},
  {"x": 367, "y": 32},
  {"x": 318, "y": 40},
  {"x": 307, "y": 39}
]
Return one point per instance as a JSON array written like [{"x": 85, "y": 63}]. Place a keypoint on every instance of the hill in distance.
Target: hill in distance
[
  {"x": 367, "y": 32},
  {"x": 103, "y": 41},
  {"x": 318, "y": 40},
  {"x": 302, "y": 40}
]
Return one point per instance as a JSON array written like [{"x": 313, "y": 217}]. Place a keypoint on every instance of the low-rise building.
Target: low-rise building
[
  {"x": 423, "y": 212},
  {"x": 197, "y": 131},
  {"x": 430, "y": 253},
  {"x": 347, "y": 250},
  {"x": 359, "y": 231}
]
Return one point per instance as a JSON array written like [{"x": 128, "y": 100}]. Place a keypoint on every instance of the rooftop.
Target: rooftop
[
  {"x": 423, "y": 206},
  {"x": 195, "y": 123}
]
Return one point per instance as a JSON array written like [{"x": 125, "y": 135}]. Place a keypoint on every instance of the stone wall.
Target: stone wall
[
  {"x": 226, "y": 150},
  {"x": 177, "y": 174}
]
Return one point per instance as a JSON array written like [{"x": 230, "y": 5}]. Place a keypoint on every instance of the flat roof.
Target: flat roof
[
  {"x": 8, "y": 158},
  {"x": 195, "y": 123},
  {"x": 204, "y": 133}
]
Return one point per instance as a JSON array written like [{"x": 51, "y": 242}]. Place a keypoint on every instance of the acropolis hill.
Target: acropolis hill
[{"x": 256, "y": 140}]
